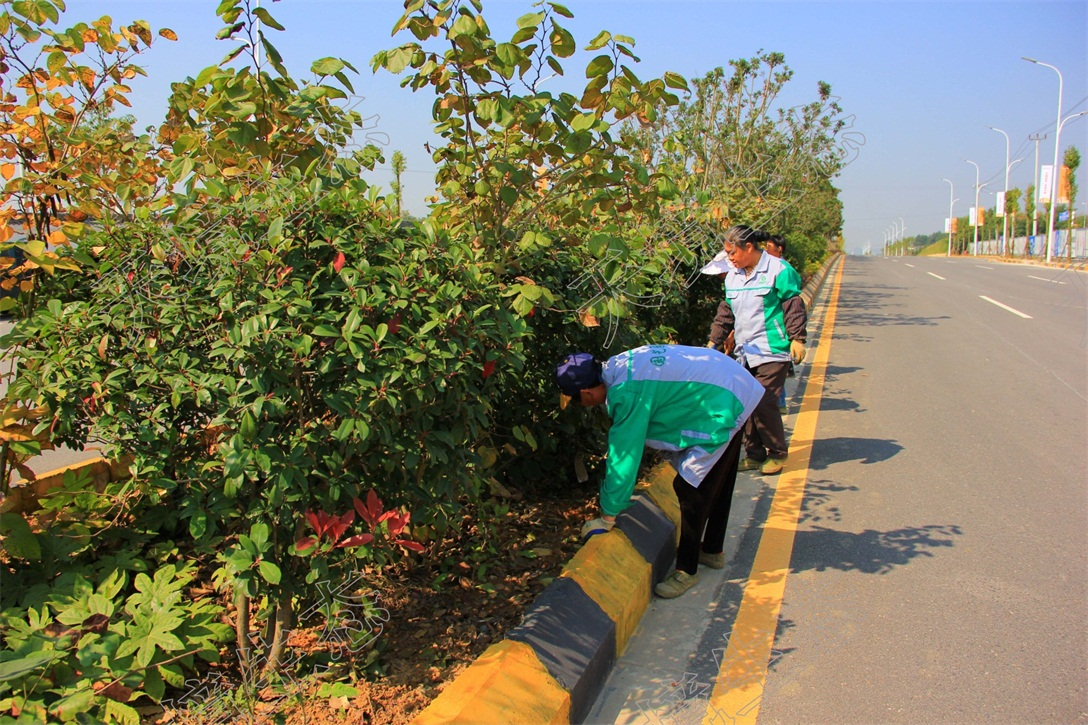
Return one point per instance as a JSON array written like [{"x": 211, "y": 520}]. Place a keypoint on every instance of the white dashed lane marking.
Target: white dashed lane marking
[
  {"x": 934, "y": 275},
  {"x": 1044, "y": 279},
  {"x": 1005, "y": 307}
]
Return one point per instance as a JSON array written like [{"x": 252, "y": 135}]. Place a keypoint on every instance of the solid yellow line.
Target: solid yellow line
[{"x": 738, "y": 689}]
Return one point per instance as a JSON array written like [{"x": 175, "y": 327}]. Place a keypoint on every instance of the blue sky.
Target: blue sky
[{"x": 923, "y": 81}]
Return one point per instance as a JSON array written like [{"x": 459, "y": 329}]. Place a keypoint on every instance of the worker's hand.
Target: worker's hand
[
  {"x": 596, "y": 526},
  {"x": 797, "y": 351}
]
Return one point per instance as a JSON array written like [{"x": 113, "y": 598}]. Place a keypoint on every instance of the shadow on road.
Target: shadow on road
[
  {"x": 840, "y": 404},
  {"x": 819, "y": 503},
  {"x": 833, "y": 372},
  {"x": 869, "y": 551},
  {"x": 870, "y": 307},
  {"x": 827, "y": 451}
]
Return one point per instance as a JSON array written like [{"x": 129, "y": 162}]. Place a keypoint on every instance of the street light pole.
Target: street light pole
[
  {"x": 1035, "y": 202},
  {"x": 974, "y": 251},
  {"x": 1055, "y": 174},
  {"x": 1004, "y": 202},
  {"x": 902, "y": 232},
  {"x": 951, "y": 201}
]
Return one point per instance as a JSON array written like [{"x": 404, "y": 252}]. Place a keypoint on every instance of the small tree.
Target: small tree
[
  {"x": 1072, "y": 160},
  {"x": 398, "y": 190}
]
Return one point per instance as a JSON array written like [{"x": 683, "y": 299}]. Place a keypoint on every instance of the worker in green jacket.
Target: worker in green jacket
[{"x": 689, "y": 402}]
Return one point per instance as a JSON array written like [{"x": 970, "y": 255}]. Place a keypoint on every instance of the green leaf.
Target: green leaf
[
  {"x": 337, "y": 689},
  {"x": 56, "y": 61},
  {"x": 599, "y": 66},
  {"x": 270, "y": 572},
  {"x": 530, "y": 20},
  {"x": 79, "y": 701},
  {"x": 583, "y": 122},
  {"x": 562, "y": 42},
  {"x": 266, "y": 18},
  {"x": 13, "y": 669},
  {"x": 122, "y": 713},
  {"x": 675, "y": 80},
  {"x": 397, "y": 59},
  {"x": 259, "y": 534},
  {"x": 19, "y": 541},
  {"x": 326, "y": 331},
  {"x": 561, "y": 10},
  {"x": 327, "y": 66},
  {"x": 600, "y": 41}
]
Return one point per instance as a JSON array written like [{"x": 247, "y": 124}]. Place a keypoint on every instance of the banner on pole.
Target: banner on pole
[
  {"x": 1000, "y": 203},
  {"x": 947, "y": 225},
  {"x": 1046, "y": 180},
  {"x": 971, "y": 217},
  {"x": 1063, "y": 185}
]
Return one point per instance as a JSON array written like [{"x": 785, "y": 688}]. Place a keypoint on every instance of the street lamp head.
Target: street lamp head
[{"x": 1029, "y": 60}]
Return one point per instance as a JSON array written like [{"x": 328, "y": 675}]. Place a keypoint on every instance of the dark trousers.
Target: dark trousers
[
  {"x": 706, "y": 507},
  {"x": 764, "y": 436}
]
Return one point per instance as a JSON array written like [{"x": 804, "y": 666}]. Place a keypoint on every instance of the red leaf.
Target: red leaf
[
  {"x": 489, "y": 367},
  {"x": 371, "y": 513},
  {"x": 314, "y": 520},
  {"x": 397, "y": 523},
  {"x": 394, "y": 324},
  {"x": 340, "y": 525},
  {"x": 130, "y": 275},
  {"x": 411, "y": 545},
  {"x": 338, "y": 263},
  {"x": 357, "y": 540},
  {"x": 304, "y": 545}
]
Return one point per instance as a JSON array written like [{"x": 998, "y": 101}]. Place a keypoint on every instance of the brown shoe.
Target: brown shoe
[
  {"x": 714, "y": 561},
  {"x": 772, "y": 466},
  {"x": 676, "y": 584}
]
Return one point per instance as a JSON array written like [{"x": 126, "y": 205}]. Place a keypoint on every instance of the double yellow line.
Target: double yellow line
[{"x": 738, "y": 690}]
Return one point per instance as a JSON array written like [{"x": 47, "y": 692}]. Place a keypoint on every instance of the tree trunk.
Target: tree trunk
[
  {"x": 284, "y": 618},
  {"x": 241, "y": 629}
]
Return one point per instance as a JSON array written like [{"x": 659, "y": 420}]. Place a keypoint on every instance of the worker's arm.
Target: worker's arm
[
  {"x": 723, "y": 324},
  {"x": 626, "y": 439}
]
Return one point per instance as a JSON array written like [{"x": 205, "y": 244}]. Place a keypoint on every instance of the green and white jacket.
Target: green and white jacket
[
  {"x": 765, "y": 310},
  {"x": 688, "y": 401}
]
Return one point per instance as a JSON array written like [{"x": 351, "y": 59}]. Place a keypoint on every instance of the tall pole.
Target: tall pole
[
  {"x": 951, "y": 201},
  {"x": 974, "y": 251},
  {"x": 1035, "y": 205},
  {"x": 1004, "y": 202},
  {"x": 902, "y": 232},
  {"x": 1055, "y": 174}
]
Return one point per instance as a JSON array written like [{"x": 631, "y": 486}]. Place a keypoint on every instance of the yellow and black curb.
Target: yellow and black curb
[{"x": 552, "y": 667}]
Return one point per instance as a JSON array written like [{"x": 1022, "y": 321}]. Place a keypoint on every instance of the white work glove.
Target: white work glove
[
  {"x": 797, "y": 351},
  {"x": 596, "y": 526}
]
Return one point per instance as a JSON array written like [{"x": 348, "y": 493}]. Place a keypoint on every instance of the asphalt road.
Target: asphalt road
[{"x": 940, "y": 568}]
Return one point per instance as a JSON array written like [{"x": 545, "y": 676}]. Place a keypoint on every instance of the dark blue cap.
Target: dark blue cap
[{"x": 576, "y": 373}]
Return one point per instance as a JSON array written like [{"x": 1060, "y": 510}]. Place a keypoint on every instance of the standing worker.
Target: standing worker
[
  {"x": 690, "y": 402},
  {"x": 776, "y": 247},
  {"x": 764, "y": 310}
]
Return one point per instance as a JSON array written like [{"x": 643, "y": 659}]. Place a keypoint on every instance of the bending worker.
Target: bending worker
[
  {"x": 764, "y": 310},
  {"x": 687, "y": 401}
]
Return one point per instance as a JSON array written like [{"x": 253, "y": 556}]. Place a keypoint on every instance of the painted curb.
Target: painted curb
[
  {"x": 23, "y": 497},
  {"x": 552, "y": 667},
  {"x": 578, "y": 626}
]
